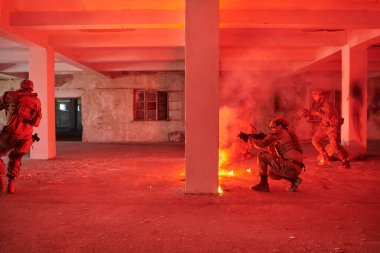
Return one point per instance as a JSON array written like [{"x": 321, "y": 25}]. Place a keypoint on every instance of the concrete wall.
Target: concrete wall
[
  {"x": 107, "y": 106},
  {"x": 5, "y": 85}
]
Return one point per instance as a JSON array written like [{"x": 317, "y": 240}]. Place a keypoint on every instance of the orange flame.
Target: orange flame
[
  {"x": 223, "y": 160},
  {"x": 223, "y": 157},
  {"x": 220, "y": 190}
]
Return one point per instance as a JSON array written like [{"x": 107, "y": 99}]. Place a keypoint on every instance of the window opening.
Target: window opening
[{"x": 150, "y": 105}]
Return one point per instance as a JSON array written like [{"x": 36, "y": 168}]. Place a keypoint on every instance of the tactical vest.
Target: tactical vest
[{"x": 291, "y": 143}]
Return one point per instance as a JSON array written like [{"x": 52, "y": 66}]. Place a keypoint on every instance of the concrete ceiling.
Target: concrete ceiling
[{"x": 148, "y": 35}]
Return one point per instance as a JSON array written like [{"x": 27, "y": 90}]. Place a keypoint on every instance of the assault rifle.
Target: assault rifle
[
  {"x": 306, "y": 113},
  {"x": 244, "y": 137}
]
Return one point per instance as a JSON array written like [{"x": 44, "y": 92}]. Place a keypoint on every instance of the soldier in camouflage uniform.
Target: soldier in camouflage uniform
[
  {"x": 284, "y": 156},
  {"x": 23, "y": 112},
  {"x": 329, "y": 128}
]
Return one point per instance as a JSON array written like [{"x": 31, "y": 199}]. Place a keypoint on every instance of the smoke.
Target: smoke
[{"x": 250, "y": 96}]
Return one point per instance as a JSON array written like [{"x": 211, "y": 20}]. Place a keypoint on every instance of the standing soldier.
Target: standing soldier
[
  {"x": 284, "y": 156},
  {"x": 23, "y": 112},
  {"x": 329, "y": 128}
]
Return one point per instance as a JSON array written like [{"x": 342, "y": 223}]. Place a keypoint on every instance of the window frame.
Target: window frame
[{"x": 146, "y": 108}]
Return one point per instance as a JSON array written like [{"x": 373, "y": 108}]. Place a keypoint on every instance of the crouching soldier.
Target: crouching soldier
[
  {"x": 23, "y": 112},
  {"x": 283, "y": 158}
]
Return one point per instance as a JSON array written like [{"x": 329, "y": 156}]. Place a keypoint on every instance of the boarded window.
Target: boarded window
[{"x": 150, "y": 105}]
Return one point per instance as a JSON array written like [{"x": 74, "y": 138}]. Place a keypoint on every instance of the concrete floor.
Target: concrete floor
[{"x": 130, "y": 198}]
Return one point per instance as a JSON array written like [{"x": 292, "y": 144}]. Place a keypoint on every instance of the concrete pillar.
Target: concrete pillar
[
  {"x": 202, "y": 95},
  {"x": 354, "y": 99},
  {"x": 41, "y": 72}
]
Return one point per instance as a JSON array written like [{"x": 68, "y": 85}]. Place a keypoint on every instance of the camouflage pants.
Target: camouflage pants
[
  {"x": 332, "y": 133},
  {"x": 280, "y": 168},
  {"x": 18, "y": 148}
]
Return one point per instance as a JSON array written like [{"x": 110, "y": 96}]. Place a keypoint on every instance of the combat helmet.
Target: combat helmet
[
  {"x": 318, "y": 92},
  {"x": 278, "y": 121},
  {"x": 26, "y": 84}
]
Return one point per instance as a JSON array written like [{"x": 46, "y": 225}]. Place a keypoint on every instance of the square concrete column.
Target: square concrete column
[
  {"x": 202, "y": 95},
  {"x": 41, "y": 72},
  {"x": 354, "y": 99}
]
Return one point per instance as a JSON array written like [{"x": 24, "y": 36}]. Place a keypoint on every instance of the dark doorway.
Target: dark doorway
[{"x": 68, "y": 119}]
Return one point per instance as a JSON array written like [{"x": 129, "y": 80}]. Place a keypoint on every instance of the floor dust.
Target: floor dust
[{"x": 130, "y": 198}]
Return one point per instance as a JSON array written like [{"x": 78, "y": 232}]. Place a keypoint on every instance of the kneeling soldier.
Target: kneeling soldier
[{"x": 284, "y": 155}]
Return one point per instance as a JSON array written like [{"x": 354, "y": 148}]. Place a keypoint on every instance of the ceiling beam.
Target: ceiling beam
[
  {"x": 364, "y": 38},
  {"x": 279, "y": 68},
  {"x": 98, "y": 19},
  {"x": 23, "y": 37},
  {"x": 69, "y": 5},
  {"x": 373, "y": 67},
  {"x": 241, "y": 18},
  {"x": 356, "y": 38},
  {"x": 86, "y": 67},
  {"x": 124, "y": 54},
  {"x": 300, "y": 4},
  {"x": 136, "y": 38},
  {"x": 175, "y": 37},
  {"x": 141, "y": 66},
  {"x": 4, "y": 43},
  {"x": 280, "y": 38},
  {"x": 299, "y": 18},
  {"x": 23, "y": 67},
  {"x": 326, "y": 55},
  {"x": 268, "y": 53},
  {"x": 14, "y": 55}
]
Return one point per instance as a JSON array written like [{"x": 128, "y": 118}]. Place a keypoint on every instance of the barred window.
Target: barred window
[{"x": 150, "y": 105}]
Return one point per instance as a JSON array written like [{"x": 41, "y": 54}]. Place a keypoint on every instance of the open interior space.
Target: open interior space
[
  {"x": 138, "y": 105},
  {"x": 97, "y": 197}
]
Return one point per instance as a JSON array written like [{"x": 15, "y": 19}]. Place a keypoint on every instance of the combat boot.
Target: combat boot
[
  {"x": 262, "y": 186},
  {"x": 10, "y": 186},
  {"x": 2, "y": 183},
  {"x": 345, "y": 164},
  {"x": 295, "y": 182}
]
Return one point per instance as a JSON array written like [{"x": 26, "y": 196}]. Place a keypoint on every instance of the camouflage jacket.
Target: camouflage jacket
[
  {"x": 328, "y": 115},
  {"x": 284, "y": 143}
]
